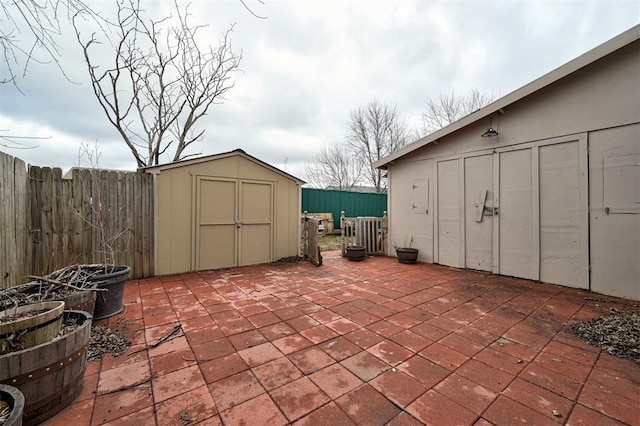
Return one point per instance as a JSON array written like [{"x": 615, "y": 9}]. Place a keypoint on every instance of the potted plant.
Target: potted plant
[
  {"x": 69, "y": 285},
  {"x": 49, "y": 375},
  {"x": 112, "y": 279},
  {"x": 30, "y": 325},
  {"x": 108, "y": 231},
  {"x": 406, "y": 253},
  {"x": 355, "y": 253}
]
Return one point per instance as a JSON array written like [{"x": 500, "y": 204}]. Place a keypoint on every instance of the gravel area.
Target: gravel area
[
  {"x": 617, "y": 334},
  {"x": 104, "y": 341}
]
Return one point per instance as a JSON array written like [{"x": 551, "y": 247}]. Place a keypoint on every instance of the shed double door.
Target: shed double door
[
  {"x": 518, "y": 211},
  {"x": 465, "y": 212},
  {"x": 234, "y": 223}
]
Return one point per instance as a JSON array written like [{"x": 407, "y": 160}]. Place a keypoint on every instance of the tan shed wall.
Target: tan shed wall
[
  {"x": 536, "y": 131},
  {"x": 175, "y": 189}
]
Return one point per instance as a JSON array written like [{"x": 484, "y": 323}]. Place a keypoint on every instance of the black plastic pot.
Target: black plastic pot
[
  {"x": 355, "y": 253},
  {"x": 407, "y": 255},
  {"x": 109, "y": 303},
  {"x": 16, "y": 401}
]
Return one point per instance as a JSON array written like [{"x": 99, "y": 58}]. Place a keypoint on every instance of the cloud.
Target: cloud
[{"x": 311, "y": 62}]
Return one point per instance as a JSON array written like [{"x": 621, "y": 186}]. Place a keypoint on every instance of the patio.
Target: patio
[{"x": 373, "y": 343}]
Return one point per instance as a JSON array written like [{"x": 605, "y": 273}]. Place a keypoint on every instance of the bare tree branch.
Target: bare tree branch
[
  {"x": 251, "y": 11},
  {"x": 160, "y": 82},
  {"x": 15, "y": 141},
  {"x": 375, "y": 131},
  {"x": 450, "y": 107},
  {"x": 334, "y": 166},
  {"x": 30, "y": 31}
]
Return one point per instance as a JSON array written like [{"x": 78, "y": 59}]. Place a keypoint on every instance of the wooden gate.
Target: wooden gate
[
  {"x": 310, "y": 247},
  {"x": 368, "y": 232}
]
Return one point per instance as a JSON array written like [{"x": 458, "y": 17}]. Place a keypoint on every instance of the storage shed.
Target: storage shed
[
  {"x": 543, "y": 183},
  {"x": 223, "y": 210}
]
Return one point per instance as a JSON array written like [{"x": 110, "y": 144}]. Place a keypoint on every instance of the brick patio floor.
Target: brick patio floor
[{"x": 374, "y": 343}]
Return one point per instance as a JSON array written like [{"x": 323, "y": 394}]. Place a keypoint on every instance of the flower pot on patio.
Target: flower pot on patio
[
  {"x": 109, "y": 303},
  {"x": 11, "y": 406},
  {"x": 407, "y": 255},
  {"x": 50, "y": 375},
  {"x": 29, "y": 325},
  {"x": 355, "y": 253}
]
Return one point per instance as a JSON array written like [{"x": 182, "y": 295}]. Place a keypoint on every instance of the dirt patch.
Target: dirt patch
[{"x": 290, "y": 259}]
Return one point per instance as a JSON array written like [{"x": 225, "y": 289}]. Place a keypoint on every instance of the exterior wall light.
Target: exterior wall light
[{"x": 491, "y": 132}]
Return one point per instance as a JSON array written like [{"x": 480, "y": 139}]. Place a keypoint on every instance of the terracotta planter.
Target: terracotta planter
[
  {"x": 109, "y": 303},
  {"x": 407, "y": 255},
  {"x": 30, "y": 330},
  {"x": 355, "y": 253},
  {"x": 16, "y": 403},
  {"x": 50, "y": 375}
]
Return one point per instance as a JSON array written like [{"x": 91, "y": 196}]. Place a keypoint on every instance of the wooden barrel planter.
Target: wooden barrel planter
[
  {"x": 15, "y": 400},
  {"x": 19, "y": 329},
  {"x": 74, "y": 300},
  {"x": 50, "y": 375},
  {"x": 109, "y": 303},
  {"x": 355, "y": 253}
]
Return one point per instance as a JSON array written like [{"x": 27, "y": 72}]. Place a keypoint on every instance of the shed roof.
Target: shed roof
[
  {"x": 559, "y": 73},
  {"x": 236, "y": 152}
]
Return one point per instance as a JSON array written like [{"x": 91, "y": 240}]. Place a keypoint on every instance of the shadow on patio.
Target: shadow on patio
[{"x": 373, "y": 343}]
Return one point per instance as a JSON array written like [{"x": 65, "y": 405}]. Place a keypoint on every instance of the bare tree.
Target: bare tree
[
  {"x": 375, "y": 131},
  {"x": 450, "y": 107},
  {"x": 30, "y": 29},
  {"x": 160, "y": 82},
  {"x": 334, "y": 166}
]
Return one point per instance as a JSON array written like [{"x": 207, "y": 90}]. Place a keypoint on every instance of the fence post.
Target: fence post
[
  {"x": 343, "y": 249},
  {"x": 385, "y": 232},
  {"x": 305, "y": 235}
]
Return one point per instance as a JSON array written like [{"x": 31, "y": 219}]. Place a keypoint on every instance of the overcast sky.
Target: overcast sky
[{"x": 307, "y": 65}]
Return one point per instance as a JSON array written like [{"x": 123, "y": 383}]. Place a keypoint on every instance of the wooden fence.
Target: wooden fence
[{"x": 47, "y": 221}]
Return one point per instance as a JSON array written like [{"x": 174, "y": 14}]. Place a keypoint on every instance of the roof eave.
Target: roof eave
[{"x": 157, "y": 169}]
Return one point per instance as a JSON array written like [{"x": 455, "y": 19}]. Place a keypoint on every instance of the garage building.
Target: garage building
[{"x": 543, "y": 183}]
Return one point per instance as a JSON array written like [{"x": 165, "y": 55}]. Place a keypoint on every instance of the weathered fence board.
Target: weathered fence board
[
  {"x": 13, "y": 227},
  {"x": 310, "y": 247},
  {"x": 47, "y": 222}
]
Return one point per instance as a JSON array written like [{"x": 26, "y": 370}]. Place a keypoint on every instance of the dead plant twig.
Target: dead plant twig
[
  {"x": 199, "y": 360},
  {"x": 162, "y": 340},
  {"x": 133, "y": 385},
  {"x": 50, "y": 281}
]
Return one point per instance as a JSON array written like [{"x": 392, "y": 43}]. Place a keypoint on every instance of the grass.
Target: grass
[{"x": 329, "y": 242}]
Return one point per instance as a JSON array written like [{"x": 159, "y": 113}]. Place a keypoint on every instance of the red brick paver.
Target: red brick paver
[{"x": 383, "y": 343}]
